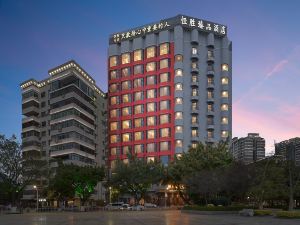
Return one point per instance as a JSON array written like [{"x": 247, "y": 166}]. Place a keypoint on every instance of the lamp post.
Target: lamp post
[
  {"x": 37, "y": 197},
  {"x": 109, "y": 194},
  {"x": 166, "y": 194}
]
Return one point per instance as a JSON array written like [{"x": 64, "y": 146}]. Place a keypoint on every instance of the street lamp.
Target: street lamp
[
  {"x": 109, "y": 194},
  {"x": 37, "y": 197},
  {"x": 166, "y": 194}
]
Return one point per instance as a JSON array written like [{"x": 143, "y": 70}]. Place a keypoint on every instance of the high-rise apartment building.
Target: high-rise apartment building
[
  {"x": 289, "y": 149},
  {"x": 248, "y": 149},
  {"x": 169, "y": 88}
]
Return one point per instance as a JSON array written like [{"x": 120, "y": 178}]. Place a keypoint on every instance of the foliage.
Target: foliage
[
  {"x": 261, "y": 212},
  {"x": 288, "y": 214}
]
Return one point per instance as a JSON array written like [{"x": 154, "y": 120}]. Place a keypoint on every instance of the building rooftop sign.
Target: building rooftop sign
[{"x": 185, "y": 21}]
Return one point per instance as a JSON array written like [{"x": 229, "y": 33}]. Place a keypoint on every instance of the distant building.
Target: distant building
[
  {"x": 289, "y": 149},
  {"x": 248, "y": 149}
]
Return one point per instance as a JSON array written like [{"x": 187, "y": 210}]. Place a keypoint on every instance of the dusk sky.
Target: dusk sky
[{"x": 36, "y": 36}]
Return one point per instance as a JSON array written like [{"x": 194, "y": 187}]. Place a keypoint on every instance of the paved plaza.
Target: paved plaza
[{"x": 162, "y": 217}]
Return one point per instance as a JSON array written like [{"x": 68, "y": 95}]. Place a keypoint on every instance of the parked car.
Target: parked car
[
  {"x": 138, "y": 208},
  {"x": 126, "y": 207},
  {"x": 114, "y": 206},
  {"x": 150, "y": 205}
]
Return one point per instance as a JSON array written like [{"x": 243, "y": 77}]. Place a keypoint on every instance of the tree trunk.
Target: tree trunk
[{"x": 291, "y": 191}]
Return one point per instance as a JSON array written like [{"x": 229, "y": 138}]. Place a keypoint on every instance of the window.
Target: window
[
  {"x": 164, "y": 119},
  {"x": 194, "y": 51},
  {"x": 164, "y": 105},
  {"x": 164, "y": 49},
  {"x": 138, "y": 122},
  {"x": 178, "y": 58},
  {"x": 138, "y": 69},
  {"x": 114, "y": 138},
  {"x": 164, "y": 77},
  {"x": 164, "y": 63},
  {"x": 224, "y": 67},
  {"x": 210, "y": 134},
  {"x": 113, "y": 151},
  {"x": 194, "y": 92},
  {"x": 126, "y": 137},
  {"x": 151, "y": 80},
  {"x": 150, "y": 159},
  {"x": 151, "y": 66},
  {"x": 178, "y": 143},
  {"x": 194, "y": 65},
  {"x": 151, "y": 134},
  {"x": 178, "y": 72},
  {"x": 113, "y": 126},
  {"x": 137, "y": 55},
  {"x": 224, "y": 94},
  {"x": 194, "y": 119},
  {"x": 194, "y": 78},
  {"x": 126, "y": 150},
  {"x": 178, "y": 87},
  {"x": 113, "y": 74},
  {"x": 151, "y": 147},
  {"x": 194, "y": 106},
  {"x": 138, "y": 109},
  {"x": 114, "y": 100},
  {"x": 125, "y": 72},
  {"x": 126, "y": 85},
  {"x": 178, "y": 129},
  {"x": 224, "y": 107},
  {"x": 113, "y": 113},
  {"x": 164, "y": 91},
  {"x": 150, "y": 52},
  {"x": 125, "y": 58},
  {"x": 151, "y": 93},
  {"x": 113, "y": 61},
  {"x": 210, "y": 54},
  {"x": 126, "y": 124},
  {"x": 224, "y": 134},
  {"x": 210, "y": 80},
  {"x": 210, "y": 107},
  {"x": 151, "y": 107},
  {"x": 151, "y": 121},
  {"x": 224, "y": 80},
  {"x": 178, "y": 115},
  {"x": 210, "y": 94},
  {"x": 164, "y": 146},
  {"x": 138, "y": 135},
  {"x": 224, "y": 120},
  {"x": 138, "y": 83},
  {"x": 138, "y": 96},
  {"x": 126, "y": 98},
  {"x": 178, "y": 101},
  {"x": 194, "y": 145},
  {"x": 165, "y": 132},
  {"x": 138, "y": 149},
  {"x": 194, "y": 132},
  {"x": 113, "y": 88},
  {"x": 126, "y": 111}
]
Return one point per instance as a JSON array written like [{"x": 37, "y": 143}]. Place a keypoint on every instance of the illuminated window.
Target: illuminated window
[
  {"x": 126, "y": 85},
  {"x": 151, "y": 93},
  {"x": 151, "y": 121},
  {"x": 178, "y": 129},
  {"x": 138, "y": 69},
  {"x": 151, "y": 107},
  {"x": 125, "y": 58},
  {"x": 224, "y": 80},
  {"x": 164, "y": 119},
  {"x": 194, "y": 145},
  {"x": 178, "y": 87},
  {"x": 138, "y": 122},
  {"x": 164, "y": 146},
  {"x": 138, "y": 135},
  {"x": 151, "y": 80},
  {"x": 224, "y": 107},
  {"x": 113, "y": 88},
  {"x": 164, "y": 91},
  {"x": 126, "y": 150},
  {"x": 137, "y": 55},
  {"x": 113, "y": 151},
  {"x": 210, "y": 134},
  {"x": 126, "y": 98},
  {"x": 194, "y": 78},
  {"x": 178, "y": 72},
  {"x": 194, "y": 65},
  {"x": 138, "y": 96},
  {"x": 224, "y": 67},
  {"x": 178, "y": 58},
  {"x": 164, "y": 77},
  {"x": 151, "y": 66},
  {"x": 194, "y": 132},
  {"x": 194, "y": 51},
  {"x": 194, "y": 106},
  {"x": 210, "y": 107},
  {"x": 113, "y": 126},
  {"x": 114, "y": 138},
  {"x": 178, "y": 143},
  {"x": 138, "y": 149},
  {"x": 224, "y": 94},
  {"x": 210, "y": 80},
  {"x": 151, "y": 134},
  {"x": 164, "y": 105},
  {"x": 125, "y": 72},
  {"x": 224, "y": 134},
  {"x": 113, "y": 61},
  {"x": 138, "y": 109},
  {"x": 178, "y": 101},
  {"x": 210, "y": 94},
  {"x": 210, "y": 54},
  {"x": 113, "y": 74},
  {"x": 126, "y": 111},
  {"x": 113, "y": 113},
  {"x": 224, "y": 120},
  {"x": 138, "y": 82},
  {"x": 164, "y": 63},
  {"x": 194, "y": 119},
  {"x": 150, "y": 159},
  {"x": 151, "y": 147},
  {"x": 150, "y": 52},
  {"x": 114, "y": 100},
  {"x": 165, "y": 132},
  {"x": 178, "y": 115},
  {"x": 126, "y": 124},
  {"x": 125, "y": 161},
  {"x": 194, "y": 92},
  {"x": 126, "y": 137},
  {"x": 164, "y": 49}
]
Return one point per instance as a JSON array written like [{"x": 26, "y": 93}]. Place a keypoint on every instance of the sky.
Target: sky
[{"x": 37, "y": 35}]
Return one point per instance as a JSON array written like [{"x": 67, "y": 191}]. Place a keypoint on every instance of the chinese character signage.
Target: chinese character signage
[{"x": 185, "y": 21}]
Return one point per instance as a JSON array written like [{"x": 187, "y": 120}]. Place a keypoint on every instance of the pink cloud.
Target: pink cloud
[{"x": 278, "y": 67}]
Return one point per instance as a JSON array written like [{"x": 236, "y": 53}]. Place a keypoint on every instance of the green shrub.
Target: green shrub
[
  {"x": 262, "y": 212},
  {"x": 213, "y": 208},
  {"x": 288, "y": 214}
]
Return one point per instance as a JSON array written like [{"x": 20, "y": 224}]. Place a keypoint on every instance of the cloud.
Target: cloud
[{"x": 277, "y": 68}]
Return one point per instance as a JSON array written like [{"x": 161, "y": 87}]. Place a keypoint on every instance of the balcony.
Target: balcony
[
  {"x": 195, "y": 138},
  {"x": 195, "y": 111},
  {"x": 210, "y": 113},
  {"x": 195, "y": 70},
  {"x": 210, "y": 59},
  {"x": 194, "y": 83},
  {"x": 210, "y": 126},
  {"x": 195, "y": 97},
  {"x": 210, "y": 99},
  {"x": 194, "y": 56},
  {"x": 194, "y": 125},
  {"x": 210, "y": 85}
]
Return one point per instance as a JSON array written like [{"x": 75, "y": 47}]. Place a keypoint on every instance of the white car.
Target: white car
[
  {"x": 138, "y": 208},
  {"x": 114, "y": 206},
  {"x": 150, "y": 205},
  {"x": 126, "y": 207}
]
